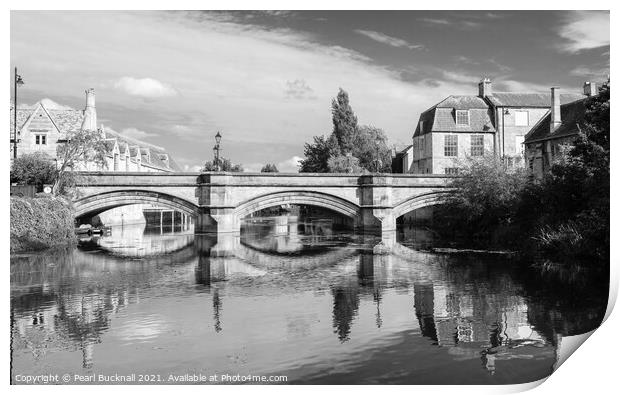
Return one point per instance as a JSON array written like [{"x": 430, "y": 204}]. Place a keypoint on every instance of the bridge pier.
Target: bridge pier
[
  {"x": 376, "y": 212},
  {"x": 217, "y": 221}
]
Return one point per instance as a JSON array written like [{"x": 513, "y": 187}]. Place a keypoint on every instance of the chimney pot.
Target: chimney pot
[
  {"x": 556, "y": 113},
  {"x": 485, "y": 88},
  {"x": 90, "y": 112},
  {"x": 589, "y": 88}
]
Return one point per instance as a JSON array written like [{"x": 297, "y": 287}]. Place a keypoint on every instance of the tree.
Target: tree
[
  {"x": 344, "y": 164},
  {"x": 345, "y": 122},
  {"x": 82, "y": 147},
  {"x": 35, "y": 169},
  {"x": 483, "y": 201},
  {"x": 269, "y": 168},
  {"x": 317, "y": 154},
  {"x": 573, "y": 199},
  {"x": 224, "y": 165},
  {"x": 370, "y": 147}
]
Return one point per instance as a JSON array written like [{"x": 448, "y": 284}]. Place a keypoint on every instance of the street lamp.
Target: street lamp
[
  {"x": 17, "y": 81},
  {"x": 216, "y": 151}
]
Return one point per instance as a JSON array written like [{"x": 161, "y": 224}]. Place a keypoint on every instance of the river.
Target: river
[{"x": 290, "y": 299}]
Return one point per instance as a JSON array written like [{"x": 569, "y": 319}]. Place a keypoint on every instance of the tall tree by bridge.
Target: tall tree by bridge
[
  {"x": 367, "y": 144},
  {"x": 345, "y": 122}
]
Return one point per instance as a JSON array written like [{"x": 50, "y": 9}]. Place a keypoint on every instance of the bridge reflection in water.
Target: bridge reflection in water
[{"x": 320, "y": 309}]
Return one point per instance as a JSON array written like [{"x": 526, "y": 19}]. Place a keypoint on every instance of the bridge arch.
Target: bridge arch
[
  {"x": 310, "y": 198},
  {"x": 98, "y": 203},
  {"x": 424, "y": 200}
]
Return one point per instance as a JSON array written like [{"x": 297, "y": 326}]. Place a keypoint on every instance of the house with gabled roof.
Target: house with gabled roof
[
  {"x": 553, "y": 133},
  {"x": 462, "y": 126},
  {"x": 43, "y": 126}
]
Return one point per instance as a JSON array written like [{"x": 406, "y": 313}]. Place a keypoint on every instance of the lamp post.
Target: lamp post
[
  {"x": 216, "y": 150},
  {"x": 17, "y": 81}
]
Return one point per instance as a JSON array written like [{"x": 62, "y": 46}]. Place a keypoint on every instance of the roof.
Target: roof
[
  {"x": 442, "y": 116},
  {"x": 572, "y": 115},
  {"x": 463, "y": 102},
  {"x": 149, "y": 154},
  {"x": 513, "y": 99},
  {"x": 64, "y": 118},
  {"x": 67, "y": 119}
]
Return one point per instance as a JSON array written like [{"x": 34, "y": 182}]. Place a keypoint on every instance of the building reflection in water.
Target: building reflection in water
[{"x": 470, "y": 309}]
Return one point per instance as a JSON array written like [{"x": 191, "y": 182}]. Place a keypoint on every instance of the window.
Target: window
[
  {"x": 522, "y": 118},
  {"x": 462, "y": 117},
  {"x": 40, "y": 139},
  {"x": 450, "y": 147},
  {"x": 451, "y": 171},
  {"x": 477, "y": 145},
  {"x": 421, "y": 126}
]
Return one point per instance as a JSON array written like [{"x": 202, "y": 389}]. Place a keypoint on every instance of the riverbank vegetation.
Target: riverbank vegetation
[
  {"x": 39, "y": 223},
  {"x": 563, "y": 218}
]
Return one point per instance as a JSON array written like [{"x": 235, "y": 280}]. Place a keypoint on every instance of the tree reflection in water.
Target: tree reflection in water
[{"x": 488, "y": 310}]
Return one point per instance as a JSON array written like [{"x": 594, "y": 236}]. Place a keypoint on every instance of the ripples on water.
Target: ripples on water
[{"x": 317, "y": 306}]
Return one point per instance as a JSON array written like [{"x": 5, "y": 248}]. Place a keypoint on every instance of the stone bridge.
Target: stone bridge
[{"x": 218, "y": 201}]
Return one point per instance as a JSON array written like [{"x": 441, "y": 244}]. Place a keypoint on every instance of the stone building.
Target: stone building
[
  {"x": 555, "y": 131},
  {"x": 463, "y": 126},
  {"x": 44, "y": 125}
]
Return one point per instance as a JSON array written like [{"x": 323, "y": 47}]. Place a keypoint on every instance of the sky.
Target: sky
[{"x": 265, "y": 79}]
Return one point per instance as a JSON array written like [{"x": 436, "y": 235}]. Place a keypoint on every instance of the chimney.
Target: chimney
[
  {"x": 90, "y": 112},
  {"x": 484, "y": 88},
  {"x": 589, "y": 88},
  {"x": 556, "y": 116}
]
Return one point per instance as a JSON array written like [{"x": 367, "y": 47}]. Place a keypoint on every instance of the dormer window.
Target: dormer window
[{"x": 462, "y": 117}]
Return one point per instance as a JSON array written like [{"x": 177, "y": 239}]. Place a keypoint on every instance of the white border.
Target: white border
[{"x": 593, "y": 368}]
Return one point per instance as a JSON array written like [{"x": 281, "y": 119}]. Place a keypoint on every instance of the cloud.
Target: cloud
[
  {"x": 458, "y": 24},
  {"x": 148, "y": 88},
  {"x": 435, "y": 21},
  {"x": 389, "y": 40},
  {"x": 290, "y": 165},
  {"x": 137, "y": 133},
  {"x": 584, "y": 30},
  {"x": 298, "y": 89},
  {"x": 506, "y": 85},
  {"x": 591, "y": 72}
]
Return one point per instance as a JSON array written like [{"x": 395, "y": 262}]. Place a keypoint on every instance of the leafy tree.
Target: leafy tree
[
  {"x": 269, "y": 168},
  {"x": 344, "y": 164},
  {"x": 484, "y": 200},
  {"x": 82, "y": 147},
  {"x": 345, "y": 122},
  {"x": 224, "y": 165},
  {"x": 317, "y": 154},
  {"x": 370, "y": 147},
  {"x": 573, "y": 199},
  {"x": 36, "y": 169}
]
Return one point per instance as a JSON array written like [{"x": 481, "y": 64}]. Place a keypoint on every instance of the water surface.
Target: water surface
[{"x": 299, "y": 300}]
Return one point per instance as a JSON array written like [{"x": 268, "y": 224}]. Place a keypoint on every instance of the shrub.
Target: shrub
[
  {"x": 485, "y": 199},
  {"x": 35, "y": 169},
  {"x": 344, "y": 164},
  {"x": 40, "y": 223}
]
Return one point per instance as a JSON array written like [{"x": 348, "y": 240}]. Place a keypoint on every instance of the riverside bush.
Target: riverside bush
[{"x": 40, "y": 223}]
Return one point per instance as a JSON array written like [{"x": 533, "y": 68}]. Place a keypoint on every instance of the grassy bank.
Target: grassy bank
[{"x": 40, "y": 223}]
